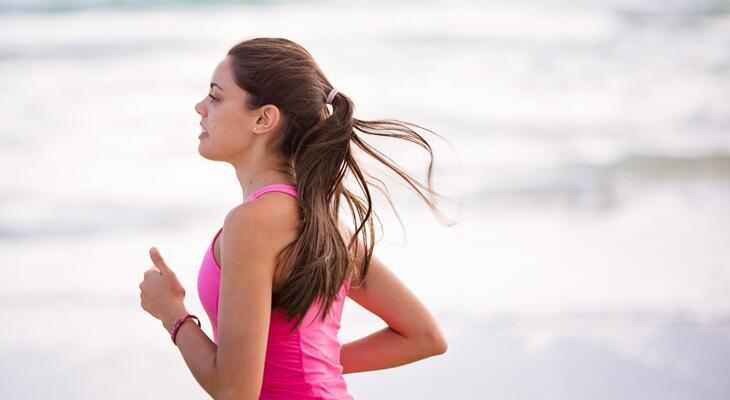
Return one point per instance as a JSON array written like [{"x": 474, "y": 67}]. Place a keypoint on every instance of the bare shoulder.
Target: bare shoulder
[
  {"x": 272, "y": 211},
  {"x": 268, "y": 224}
]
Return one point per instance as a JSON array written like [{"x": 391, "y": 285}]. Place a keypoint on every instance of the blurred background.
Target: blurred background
[{"x": 590, "y": 170}]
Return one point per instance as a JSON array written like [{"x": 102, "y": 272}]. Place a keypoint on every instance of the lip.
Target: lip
[{"x": 202, "y": 135}]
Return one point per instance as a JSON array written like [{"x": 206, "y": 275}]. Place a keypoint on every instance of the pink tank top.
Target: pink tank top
[{"x": 303, "y": 365}]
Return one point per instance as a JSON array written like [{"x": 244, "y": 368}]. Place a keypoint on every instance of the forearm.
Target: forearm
[
  {"x": 385, "y": 348},
  {"x": 198, "y": 351}
]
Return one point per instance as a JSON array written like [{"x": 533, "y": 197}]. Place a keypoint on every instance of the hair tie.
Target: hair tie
[{"x": 331, "y": 96}]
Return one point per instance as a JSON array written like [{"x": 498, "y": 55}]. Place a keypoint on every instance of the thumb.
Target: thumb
[{"x": 159, "y": 261}]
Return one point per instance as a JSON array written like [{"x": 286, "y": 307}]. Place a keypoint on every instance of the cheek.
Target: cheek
[
  {"x": 219, "y": 121},
  {"x": 215, "y": 127}
]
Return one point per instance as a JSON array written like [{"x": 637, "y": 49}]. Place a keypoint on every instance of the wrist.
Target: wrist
[{"x": 169, "y": 318}]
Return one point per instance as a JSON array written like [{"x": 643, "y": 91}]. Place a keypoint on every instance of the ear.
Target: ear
[{"x": 269, "y": 116}]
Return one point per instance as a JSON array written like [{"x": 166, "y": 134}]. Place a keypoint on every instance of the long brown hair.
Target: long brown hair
[{"x": 317, "y": 146}]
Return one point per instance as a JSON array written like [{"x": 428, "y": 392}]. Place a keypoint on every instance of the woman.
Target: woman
[{"x": 275, "y": 276}]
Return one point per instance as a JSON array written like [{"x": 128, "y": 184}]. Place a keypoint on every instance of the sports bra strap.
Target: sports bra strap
[{"x": 274, "y": 187}]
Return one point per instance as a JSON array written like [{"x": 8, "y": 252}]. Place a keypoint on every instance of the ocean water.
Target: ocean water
[{"x": 588, "y": 160}]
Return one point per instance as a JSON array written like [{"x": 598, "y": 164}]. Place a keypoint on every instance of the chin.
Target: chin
[
  {"x": 202, "y": 152},
  {"x": 207, "y": 155}
]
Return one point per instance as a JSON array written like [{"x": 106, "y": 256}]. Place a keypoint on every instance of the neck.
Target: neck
[
  {"x": 253, "y": 179},
  {"x": 258, "y": 168}
]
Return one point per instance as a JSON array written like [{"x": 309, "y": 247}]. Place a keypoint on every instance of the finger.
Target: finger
[{"x": 158, "y": 260}]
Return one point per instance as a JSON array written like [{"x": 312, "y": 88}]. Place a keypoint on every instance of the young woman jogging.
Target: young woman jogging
[{"x": 275, "y": 275}]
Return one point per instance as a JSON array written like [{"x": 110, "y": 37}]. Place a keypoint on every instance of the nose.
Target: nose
[{"x": 199, "y": 108}]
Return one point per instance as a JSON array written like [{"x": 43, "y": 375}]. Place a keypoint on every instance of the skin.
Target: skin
[
  {"x": 238, "y": 136},
  {"x": 253, "y": 234}
]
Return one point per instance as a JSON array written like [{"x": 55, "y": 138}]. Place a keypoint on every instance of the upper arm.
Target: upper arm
[
  {"x": 386, "y": 296},
  {"x": 244, "y": 308}
]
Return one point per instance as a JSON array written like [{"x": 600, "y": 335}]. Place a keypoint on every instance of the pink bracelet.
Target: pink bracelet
[{"x": 173, "y": 331}]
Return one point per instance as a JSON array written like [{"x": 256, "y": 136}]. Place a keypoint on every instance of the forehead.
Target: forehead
[{"x": 222, "y": 74}]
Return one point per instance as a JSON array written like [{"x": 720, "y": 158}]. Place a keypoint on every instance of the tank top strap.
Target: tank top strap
[{"x": 274, "y": 187}]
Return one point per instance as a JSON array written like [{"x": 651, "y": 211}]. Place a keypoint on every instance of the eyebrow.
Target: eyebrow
[{"x": 216, "y": 85}]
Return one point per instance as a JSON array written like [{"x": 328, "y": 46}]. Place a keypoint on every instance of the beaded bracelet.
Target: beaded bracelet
[{"x": 173, "y": 331}]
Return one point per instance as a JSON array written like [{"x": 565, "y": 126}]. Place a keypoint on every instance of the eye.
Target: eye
[{"x": 211, "y": 96}]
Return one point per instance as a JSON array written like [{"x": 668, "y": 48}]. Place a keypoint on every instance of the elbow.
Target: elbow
[
  {"x": 436, "y": 343},
  {"x": 441, "y": 346}
]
